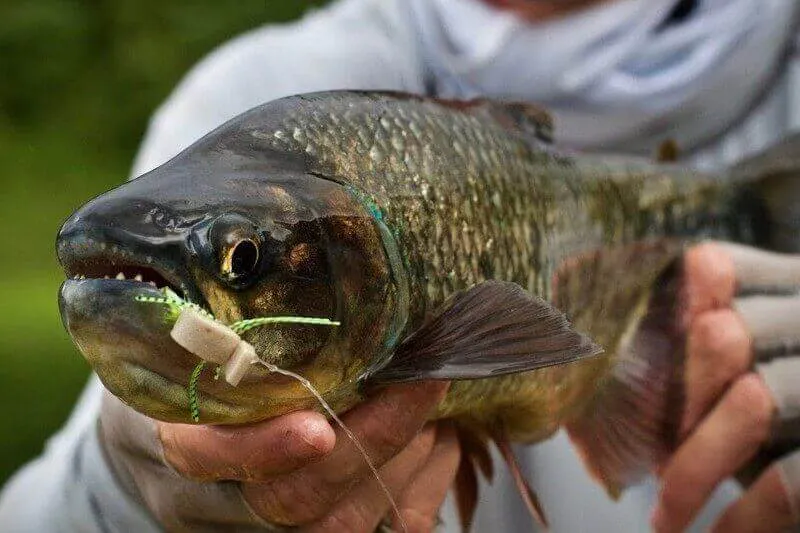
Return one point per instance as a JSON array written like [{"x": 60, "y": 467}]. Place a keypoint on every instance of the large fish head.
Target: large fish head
[{"x": 243, "y": 232}]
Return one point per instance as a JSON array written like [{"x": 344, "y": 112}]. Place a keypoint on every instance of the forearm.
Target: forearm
[{"x": 71, "y": 486}]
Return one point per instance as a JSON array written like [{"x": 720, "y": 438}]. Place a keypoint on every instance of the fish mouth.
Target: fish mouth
[
  {"x": 87, "y": 259},
  {"x": 126, "y": 339},
  {"x": 113, "y": 307}
]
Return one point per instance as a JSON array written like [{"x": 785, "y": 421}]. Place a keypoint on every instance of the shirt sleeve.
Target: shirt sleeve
[
  {"x": 70, "y": 487},
  {"x": 352, "y": 44},
  {"x": 356, "y": 44}
]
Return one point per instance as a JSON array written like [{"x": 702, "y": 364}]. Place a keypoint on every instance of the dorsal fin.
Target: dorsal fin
[
  {"x": 525, "y": 119},
  {"x": 520, "y": 117}
]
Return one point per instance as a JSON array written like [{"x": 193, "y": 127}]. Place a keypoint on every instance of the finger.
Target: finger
[
  {"x": 383, "y": 425},
  {"x": 718, "y": 351},
  {"x": 366, "y": 505},
  {"x": 177, "y": 503},
  {"x": 723, "y": 442},
  {"x": 247, "y": 453},
  {"x": 766, "y": 506},
  {"x": 709, "y": 280},
  {"x": 422, "y": 498}
]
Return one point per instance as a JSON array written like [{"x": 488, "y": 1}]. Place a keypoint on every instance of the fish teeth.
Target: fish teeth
[
  {"x": 120, "y": 276},
  {"x": 106, "y": 277},
  {"x": 152, "y": 283},
  {"x": 138, "y": 277}
]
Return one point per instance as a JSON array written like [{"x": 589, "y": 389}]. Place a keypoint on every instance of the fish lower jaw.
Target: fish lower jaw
[{"x": 153, "y": 395}]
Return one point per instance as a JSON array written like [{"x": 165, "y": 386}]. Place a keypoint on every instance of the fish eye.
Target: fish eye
[
  {"x": 235, "y": 248},
  {"x": 240, "y": 260}
]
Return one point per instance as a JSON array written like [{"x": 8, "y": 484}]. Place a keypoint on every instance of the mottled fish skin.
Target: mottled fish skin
[
  {"x": 466, "y": 198},
  {"x": 371, "y": 209}
]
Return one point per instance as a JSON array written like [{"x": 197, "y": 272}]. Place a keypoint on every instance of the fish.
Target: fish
[{"x": 449, "y": 240}]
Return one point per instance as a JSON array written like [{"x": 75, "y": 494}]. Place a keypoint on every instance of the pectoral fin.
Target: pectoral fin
[{"x": 492, "y": 329}]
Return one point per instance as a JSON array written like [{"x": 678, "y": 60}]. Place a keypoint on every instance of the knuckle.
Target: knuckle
[
  {"x": 351, "y": 517},
  {"x": 187, "y": 454},
  {"x": 704, "y": 249},
  {"x": 166, "y": 437},
  {"x": 195, "y": 470},
  {"x": 417, "y": 521},
  {"x": 176, "y": 455},
  {"x": 709, "y": 278},
  {"x": 721, "y": 335},
  {"x": 710, "y": 260},
  {"x": 700, "y": 253}
]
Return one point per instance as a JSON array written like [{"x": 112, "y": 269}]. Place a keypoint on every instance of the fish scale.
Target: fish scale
[
  {"x": 373, "y": 209},
  {"x": 445, "y": 228},
  {"x": 469, "y": 199}
]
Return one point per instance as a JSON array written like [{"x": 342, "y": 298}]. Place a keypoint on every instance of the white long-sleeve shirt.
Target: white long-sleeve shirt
[{"x": 365, "y": 44}]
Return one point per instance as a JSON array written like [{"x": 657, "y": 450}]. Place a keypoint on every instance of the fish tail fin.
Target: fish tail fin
[
  {"x": 631, "y": 424},
  {"x": 773, "y": 177}
]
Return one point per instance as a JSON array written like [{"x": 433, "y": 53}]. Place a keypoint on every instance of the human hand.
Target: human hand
[
  {"x": 291, "y": 470},
  {"x": 732, "y": 411}
]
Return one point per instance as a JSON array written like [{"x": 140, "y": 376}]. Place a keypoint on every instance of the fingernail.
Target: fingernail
[{"x": 319, "y": 437}]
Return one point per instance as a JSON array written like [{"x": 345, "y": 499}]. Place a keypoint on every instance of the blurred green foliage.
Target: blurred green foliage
[{"x": 79, "y": 81}]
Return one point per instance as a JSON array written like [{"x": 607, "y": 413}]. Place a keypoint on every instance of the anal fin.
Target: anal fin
[
  {"x": 466, "y": 491},
  {"x": 475, "y": 455},
  {"x": 526, "y": 492},
  {"x": 631, "y": 423}
]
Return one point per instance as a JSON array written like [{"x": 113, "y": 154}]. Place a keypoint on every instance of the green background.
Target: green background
[{"x": 78, "y": 81}]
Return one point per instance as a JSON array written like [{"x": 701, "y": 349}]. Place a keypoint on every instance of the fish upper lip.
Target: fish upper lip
[{"x": 85, "y": 258}]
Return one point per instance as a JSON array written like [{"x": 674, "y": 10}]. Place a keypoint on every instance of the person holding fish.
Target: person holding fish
[{"x": 405, "y": 226}]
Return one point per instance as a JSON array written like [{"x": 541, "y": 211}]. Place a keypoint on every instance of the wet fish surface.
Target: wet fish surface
[{"x": 450, "y": 240}]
